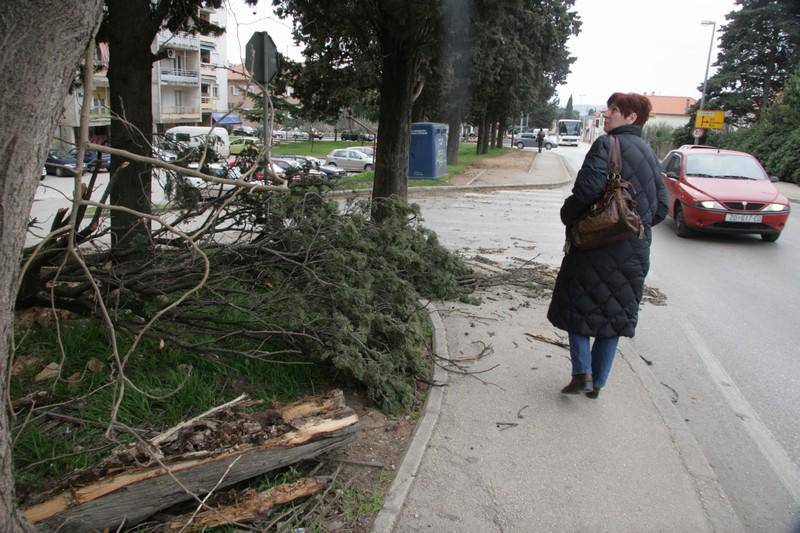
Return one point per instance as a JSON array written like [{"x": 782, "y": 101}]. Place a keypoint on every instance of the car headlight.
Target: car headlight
[
  {"x": 710, "y": 204},
  {"x": 776, "y": 207}
]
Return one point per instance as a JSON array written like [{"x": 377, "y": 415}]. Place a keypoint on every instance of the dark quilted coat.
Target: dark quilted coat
[{"x": 597, "y": 292}]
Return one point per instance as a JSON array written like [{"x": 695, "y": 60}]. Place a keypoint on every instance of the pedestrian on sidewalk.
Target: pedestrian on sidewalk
[
  {"x": 540, "y": 139},
  {"x": 597, "y": 292}
]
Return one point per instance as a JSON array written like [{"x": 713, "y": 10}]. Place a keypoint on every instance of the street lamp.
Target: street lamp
[
  {"x": 708, "y": 61},
  {"x": 705, "y": 78}
]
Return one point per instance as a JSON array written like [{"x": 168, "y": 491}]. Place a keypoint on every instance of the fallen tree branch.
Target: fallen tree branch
[{"x": 251, "y": 507}]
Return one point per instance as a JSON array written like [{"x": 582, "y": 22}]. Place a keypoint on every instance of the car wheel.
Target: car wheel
[
  {"x": 367, "y": 168},
  {"x": 681, "y": 229},
  {"x": 770, "y": 237},
  {"x": 331, "y": 164},
  {"x": 520, "y": 145},
  {"x": 59, "y": 172},
  {"x": 549, "y": 146}
]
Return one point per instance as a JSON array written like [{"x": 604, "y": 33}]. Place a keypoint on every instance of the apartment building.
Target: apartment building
[
  {"x": 190, "y": 86},
  {"x": 239, "y": 84},
  {"x": 99, "y": 113}
]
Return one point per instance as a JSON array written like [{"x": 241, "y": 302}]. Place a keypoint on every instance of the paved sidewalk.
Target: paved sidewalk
[
  {"x": 790, "y": 190},
  {"x": 508, "y": 452}
]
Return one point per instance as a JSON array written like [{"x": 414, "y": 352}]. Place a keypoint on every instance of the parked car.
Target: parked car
[
  {"x": 349, "y": 159},
  {"x": 267, "y": 175},
  {"x": 239, "y": 144},
  {"x": 528, "y": 139},
  {"x": 369, "y": 150},
  {"x": 724, "y": 191},
  {"x": 205, "y": 189},
  {"x": 90, "y": 159},
  {"x": 60, "y": 163},
  {"x": 244, "y": 131},
  {"x": 333, "y": 172},
  {"x": 293, "y": 169},
  {"x": 307, "y": 161},
  {"x": 357, "y": 136}
]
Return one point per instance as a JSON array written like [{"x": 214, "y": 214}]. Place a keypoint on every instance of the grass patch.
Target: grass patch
[
  {"x": 43, "y": 453},
  {"x": 466, "y": 156},
  {"x": 317, "y": 149},
  {"x": 357, "y": 503}
]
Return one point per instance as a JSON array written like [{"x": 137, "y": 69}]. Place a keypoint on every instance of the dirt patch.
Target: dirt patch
[{"x": 516, "y": 160}]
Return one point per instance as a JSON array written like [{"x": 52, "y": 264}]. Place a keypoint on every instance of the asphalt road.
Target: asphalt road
[{"x": 725, "y": 347}]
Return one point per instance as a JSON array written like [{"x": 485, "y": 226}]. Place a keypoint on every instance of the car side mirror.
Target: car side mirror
[
  {"x": 774, "y": 179},
  {"x": 672, "y": 174}
]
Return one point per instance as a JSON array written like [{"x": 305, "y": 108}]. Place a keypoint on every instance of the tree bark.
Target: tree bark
[
  {"x": 394, "y": 124},
  {"x": 493, "y": 135},
  {"x": 453, "y": 138},
  {"x": 35, "y": 73},
  {"x": 131, "y": 31}
]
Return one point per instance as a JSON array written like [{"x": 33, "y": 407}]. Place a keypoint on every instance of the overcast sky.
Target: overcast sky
[
  {"x": 624, "y": 45},
  {"x": 642, "y": 45}
]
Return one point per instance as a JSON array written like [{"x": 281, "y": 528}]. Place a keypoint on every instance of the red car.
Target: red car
[{"x": 724, "y": 191}]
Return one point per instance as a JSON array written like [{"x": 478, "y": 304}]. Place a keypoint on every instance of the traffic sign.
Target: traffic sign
[
  {"x": 713, "y": 120},
  {"x": 261, "y": 57},
  {"x": 698, "y": 132}
]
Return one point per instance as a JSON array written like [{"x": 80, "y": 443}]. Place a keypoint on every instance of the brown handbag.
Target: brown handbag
[{"x": 613, "y": 217}]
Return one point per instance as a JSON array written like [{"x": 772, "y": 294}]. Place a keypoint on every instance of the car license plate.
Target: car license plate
[{"x": 733, "y": 217}]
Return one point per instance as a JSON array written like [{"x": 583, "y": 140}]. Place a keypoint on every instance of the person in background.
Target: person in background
[
  {"x": 597, "y": 292},
  {"x": 540, "y": 139}
]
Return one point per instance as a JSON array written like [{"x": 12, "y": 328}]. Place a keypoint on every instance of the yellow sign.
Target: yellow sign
[{"x": 714, "y": 120}]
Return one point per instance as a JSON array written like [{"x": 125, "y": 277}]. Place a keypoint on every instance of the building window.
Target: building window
[
  {"x": 178, "y": 98},
  {"x": 205, "y": 56},
  {"x": 235, "y": 90},
  {"x": 214, "y": 91}
]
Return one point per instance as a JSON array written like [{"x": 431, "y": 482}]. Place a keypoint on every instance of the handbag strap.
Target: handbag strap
[{"x": 614, "y": 156}]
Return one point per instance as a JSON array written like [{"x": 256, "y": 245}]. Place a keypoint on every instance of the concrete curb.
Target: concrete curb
[
  {"x": 441, "y": 189},
  {"x": 396, "y": 496},
  {"x": 718, "y": 510}
]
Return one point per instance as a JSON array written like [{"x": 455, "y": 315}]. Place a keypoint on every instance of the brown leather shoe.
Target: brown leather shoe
[{"x": 580, "y": 383}]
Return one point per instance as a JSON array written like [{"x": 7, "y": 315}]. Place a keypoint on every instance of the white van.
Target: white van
[{"x": 195, "y": 136}]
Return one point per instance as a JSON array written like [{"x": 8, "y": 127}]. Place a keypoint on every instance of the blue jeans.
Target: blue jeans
[{"x": 596, "y": 361}]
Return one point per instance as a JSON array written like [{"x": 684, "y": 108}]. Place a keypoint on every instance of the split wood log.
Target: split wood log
[
  {"x": 249, "y": 508},
  {"x": 173, "y": 431},
  {"x": 136, "y": 493}
]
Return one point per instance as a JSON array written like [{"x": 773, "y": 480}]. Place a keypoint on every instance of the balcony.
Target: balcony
[
  {"x": 208, "y": 103},
  {"x": 184, "y": 41},
  {"x": 179, "y": 76},
  {"x": 100, "y": 115},
  {"x": 180, "y": 113}
]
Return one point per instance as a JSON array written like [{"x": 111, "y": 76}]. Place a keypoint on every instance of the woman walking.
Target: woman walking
[{"x": 598, "y": 291}]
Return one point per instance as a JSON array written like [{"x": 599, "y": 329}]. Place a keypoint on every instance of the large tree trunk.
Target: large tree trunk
[
  {"x": 453, "y": 138},
  {"x": 131, "y": 30},
  {"x": 493, "y": 135},
  {"x": 35, "y": 73},
  {"x": 394, "y": 124}
]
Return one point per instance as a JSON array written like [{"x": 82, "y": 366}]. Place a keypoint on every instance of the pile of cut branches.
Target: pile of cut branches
[{"x": 276, "y": 277}]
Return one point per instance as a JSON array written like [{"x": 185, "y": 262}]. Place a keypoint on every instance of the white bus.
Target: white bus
[{"x": 569, "y": 132}]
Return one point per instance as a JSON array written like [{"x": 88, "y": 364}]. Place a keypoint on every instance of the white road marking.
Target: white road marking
[{"x": 766, "y": 442}]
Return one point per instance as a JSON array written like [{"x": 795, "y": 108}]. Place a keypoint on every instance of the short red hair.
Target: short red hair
[{"x": 632, "y": 103}]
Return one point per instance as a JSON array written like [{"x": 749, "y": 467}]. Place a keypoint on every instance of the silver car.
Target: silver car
[
  {"x": 350, "y": 159},
  {"x": 529, "y": 139}
]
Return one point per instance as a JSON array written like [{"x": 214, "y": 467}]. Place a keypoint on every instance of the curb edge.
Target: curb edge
[{"x": 395, "y": 497}]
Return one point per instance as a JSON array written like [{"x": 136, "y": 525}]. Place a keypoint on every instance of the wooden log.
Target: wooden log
[
  {"x": 249, "y": 508},
  {"x": 312, "y": 406},
  {"x": 135, "y": 494},
  {"x": 172, "y": 432}
]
